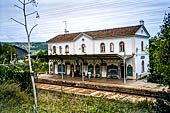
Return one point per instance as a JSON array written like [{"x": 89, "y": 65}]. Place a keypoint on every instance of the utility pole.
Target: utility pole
[
  {"x": 24, "y": 3},
  {"x": 65, "y": 30}
]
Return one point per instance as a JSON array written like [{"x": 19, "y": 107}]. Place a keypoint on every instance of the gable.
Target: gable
[
  {"x": 142, "y": 32},
  {"x": 82, "y": 35}
]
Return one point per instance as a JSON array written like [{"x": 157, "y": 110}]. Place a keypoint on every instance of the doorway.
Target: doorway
[
  {"x": 72, "y": 70},
  {"x": 122, "y": 70},
  {"x": 77, "y": 73},
  {"x": 104, "y": 69}
]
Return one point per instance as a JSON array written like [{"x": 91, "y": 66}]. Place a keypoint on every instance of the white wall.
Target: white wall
[
  {"x": 138, "y": 61},
  {"x": 62, "y": 44},
  {"x": 88, "y": 45},
  {"x": 115, "y": 41},
  {"x": 93, "y": 46},
  {"x": 139, "y": 53}
]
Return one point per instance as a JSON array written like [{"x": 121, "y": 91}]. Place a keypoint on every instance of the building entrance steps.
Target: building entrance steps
[{"x": 139, "y": 87}]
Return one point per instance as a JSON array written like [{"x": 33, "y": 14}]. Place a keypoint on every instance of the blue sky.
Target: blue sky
[{"x": 81, "y": 15}]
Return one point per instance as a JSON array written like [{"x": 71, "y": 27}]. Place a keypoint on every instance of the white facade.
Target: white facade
[
  {"x": 92, "y": 46},
  {"x": 134, "y": 46}
]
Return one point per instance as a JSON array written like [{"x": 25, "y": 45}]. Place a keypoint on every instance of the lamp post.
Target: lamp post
[{"x": 124, "y": 62}]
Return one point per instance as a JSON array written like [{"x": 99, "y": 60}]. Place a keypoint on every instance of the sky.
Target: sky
[{"x": 81, "y": 15}]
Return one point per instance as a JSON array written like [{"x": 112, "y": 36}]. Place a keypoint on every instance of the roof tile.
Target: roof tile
[{"x": 115, "y": 32}]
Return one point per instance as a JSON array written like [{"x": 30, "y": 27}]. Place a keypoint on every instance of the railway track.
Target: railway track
[{"x": 94, "y": 92}]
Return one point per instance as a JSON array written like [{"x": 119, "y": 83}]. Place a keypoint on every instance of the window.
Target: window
[
  {"x": 143, "y": 66},
  {"x": 112, "y": 70},
  {"x": 142, "y": 47},
  {"x": 97, "y": 69},
  {"x": 60, "y": 49},
  {"x": 122, "y": 46},
  {"x": 90, "y": 68},
  {"x": 54, "y": 49},
  {"x": 102, "y": 47},
  {"x": 111, "y": 47},
  {"x": 67, "y": 49},
  {"x": 83, "y": 48},
  {"x": 61, "y": 68}
]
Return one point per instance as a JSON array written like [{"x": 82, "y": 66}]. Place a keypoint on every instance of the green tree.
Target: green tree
[
  {"x": 160, "y": 52},
  {"x": 40, "y": 65},
  {"x": 6, "y": 52},
  {"x": 42, "y": 53},
  {"x": 0, "y": 49}
]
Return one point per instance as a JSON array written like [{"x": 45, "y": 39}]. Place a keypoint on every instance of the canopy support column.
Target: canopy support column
[
  {"x": 82, "y": 72},
  {"x": 62, "y": 67}
]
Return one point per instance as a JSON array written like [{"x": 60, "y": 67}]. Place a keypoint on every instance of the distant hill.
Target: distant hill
[{"x": 35, "y": 46}]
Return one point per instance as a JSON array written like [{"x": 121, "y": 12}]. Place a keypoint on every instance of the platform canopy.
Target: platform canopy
[{"x": 83, "y": 57}]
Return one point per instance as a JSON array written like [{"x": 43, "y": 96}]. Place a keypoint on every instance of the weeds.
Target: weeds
[{"x": 12, "y": 100}]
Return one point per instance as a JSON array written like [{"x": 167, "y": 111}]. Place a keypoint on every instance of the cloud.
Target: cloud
[
  {"x": 4, "y": 38},
  {"x": 80, "y": 15}
]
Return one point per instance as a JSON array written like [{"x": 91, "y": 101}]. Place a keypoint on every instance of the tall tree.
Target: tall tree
[
  {"x": 160, "y": 51},
  {"x": 24, "y": 4},
  {"x": 166, "y": 24},
  {"x": 0, "y": 49}
]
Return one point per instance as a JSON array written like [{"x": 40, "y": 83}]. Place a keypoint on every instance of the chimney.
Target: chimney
[{"x": 141, "y": 22}]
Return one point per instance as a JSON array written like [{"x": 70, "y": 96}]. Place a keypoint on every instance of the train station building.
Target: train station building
[{"x": 117, "y": 52}]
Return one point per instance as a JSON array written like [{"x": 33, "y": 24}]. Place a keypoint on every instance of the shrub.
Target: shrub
[
  {"x": 162, "y": 106},
  {"x": 12, "y": 98},
  {"x": 18, "y": 73},
  {"x": 155, "y": 78}
]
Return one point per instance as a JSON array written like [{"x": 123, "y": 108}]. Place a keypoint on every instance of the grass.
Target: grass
[{"x": 12, "y": 100}]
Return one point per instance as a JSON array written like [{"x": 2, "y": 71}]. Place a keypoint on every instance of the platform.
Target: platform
[{"x": 139, "y": 87}]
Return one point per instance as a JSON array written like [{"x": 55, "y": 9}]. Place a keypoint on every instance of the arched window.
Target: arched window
[
  {"x": 61, "y": 68},
  {"x": 67, "y": 49},
  {"x": 142, "y": 47},
  {"x": 102, "y": 47},
  {"x": 60, "y": 49},
  {"x": 90, "y": 68},
  {"x": 121, "y": 46},
  {"x": 143, "y": 66},
  {"x": 97, "y": 69},
  {"x": 54, "y": 49},
  {"x": 83, "y": 46},
  {"x": 111, "y": 47},
  {"x": 51, "y": 67}
]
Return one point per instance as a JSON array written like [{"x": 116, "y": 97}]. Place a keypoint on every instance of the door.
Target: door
[
  {"x": 72, "y": 70},
  {"x": 77, "y": 70},
  {"x": 122, "y": 70}
]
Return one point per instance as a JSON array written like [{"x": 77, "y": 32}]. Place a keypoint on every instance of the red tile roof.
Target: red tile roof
[{"x": 115, "y": 32}]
